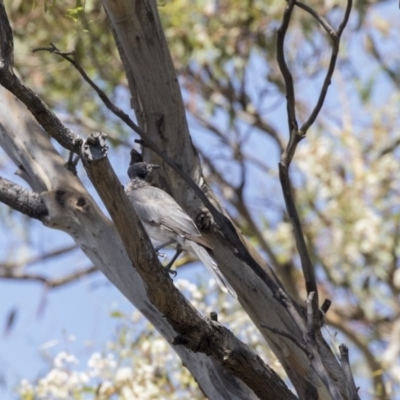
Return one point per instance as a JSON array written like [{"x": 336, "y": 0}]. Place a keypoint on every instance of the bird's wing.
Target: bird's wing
[
  {"x": 212, "y": 266},
  {"x": 158, "y": 208}
]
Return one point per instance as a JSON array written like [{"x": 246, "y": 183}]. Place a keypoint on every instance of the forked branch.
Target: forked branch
[{"x": 296, "y": 135}]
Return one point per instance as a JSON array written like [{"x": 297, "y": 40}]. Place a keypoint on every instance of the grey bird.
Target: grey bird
[{"x": 166, "y": 222}]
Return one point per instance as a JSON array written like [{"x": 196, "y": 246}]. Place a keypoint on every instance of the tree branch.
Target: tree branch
[
  {"x": 194, "y": 332},
  {"x": 307, "y": 267},
  {"x": 8, "y": 273},
  {"x": 324, "y": 23},
  {"x": 332, "y": 63},
  {"x": 296, "y": 135},
  {"x": 287, "y": 76},
  {"x": 46, "y": 118},
  {"x": 22, "y": 200}
]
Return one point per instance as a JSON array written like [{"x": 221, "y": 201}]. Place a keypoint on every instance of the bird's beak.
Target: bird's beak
[{"x": 155, "y": 166}]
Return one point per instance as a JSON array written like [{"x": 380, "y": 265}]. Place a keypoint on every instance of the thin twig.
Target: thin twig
[
  {"x": 38, "y": 259},
  {"x": 324, "y": 23},
  {"x": 328, "y": 77},
  {"x": 50, "y": 283}
]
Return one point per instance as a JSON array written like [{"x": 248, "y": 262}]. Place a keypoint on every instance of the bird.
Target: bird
[{"x": 166, "y": 222}]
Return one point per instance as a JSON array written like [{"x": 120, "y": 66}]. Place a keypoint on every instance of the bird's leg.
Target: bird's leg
[
  {"x": 177, "y": 254},
  {"x": 164, "y": 245},
  {"x": 163, "y": 255}
]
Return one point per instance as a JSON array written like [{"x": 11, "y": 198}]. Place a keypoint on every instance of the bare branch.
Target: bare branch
[
  {"x": 287, "y": 76},
  {"x": 326, "y": 305},
  {"x": 296, "y": 135},
  {"x": 312, "y": 347},
  {"x": 22, "y": 200},
  {"x": 7, "y": 273},
  {"x": 324, "y": 23},
  {"x": 247, "y": 114},
  {"x": 40, "y": 258},
  {"x": 47, "y": 119},
  {"x": 328, "y": 77},
  {"x": 307, "y": 267}
]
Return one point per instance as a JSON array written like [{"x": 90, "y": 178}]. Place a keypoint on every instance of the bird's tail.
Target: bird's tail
[{"x": 211, "y": 265}]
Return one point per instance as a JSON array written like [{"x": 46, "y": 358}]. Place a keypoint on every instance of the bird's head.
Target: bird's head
[{"x": 141, "y": 170}]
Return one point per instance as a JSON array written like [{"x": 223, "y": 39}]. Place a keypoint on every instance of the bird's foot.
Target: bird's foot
[
  {"x": 169, "y": 266},
  {"x": 171, "y": 271}
]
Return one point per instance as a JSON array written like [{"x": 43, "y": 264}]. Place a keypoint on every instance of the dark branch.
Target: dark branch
[
  {"x": 287, "y": 76},
  {"x": 296, "y": 135},
  {"x": 324, "y": 23},
  {"x": 46, "y": 118},
  {"x": 22, "y": 200},
  {"x": 42, "y": 257},
  {"x": 307, "y": 267},
  {"x": 328, "y": 77},
  {"x": 326, "y": 305},
  {"x": 50, "y": 283}
]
